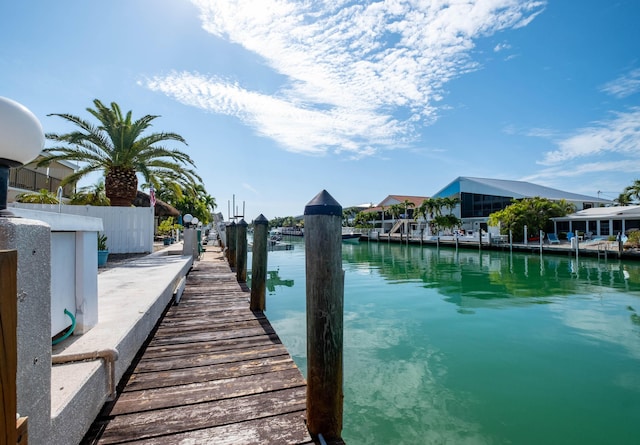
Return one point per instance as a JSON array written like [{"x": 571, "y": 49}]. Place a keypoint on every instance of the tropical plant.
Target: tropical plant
[
  {"x": 102, "y": 241},
  {"x": 446, "y": 222},
  {"x": 118, "y": 147},
  {"x": 44, "y": 196},
  {"x": 395, "y": 210},
  {"x": 93, "y": 195},
  {"x": 623, "y": 199},
  {"x": 167, "y": 226},
  {"x": 535, "y": 213},
  {"x": 407, "y": 205}
]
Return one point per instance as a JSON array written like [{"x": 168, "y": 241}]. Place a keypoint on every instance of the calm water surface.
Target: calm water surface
[{"x": 457, "y": 347}]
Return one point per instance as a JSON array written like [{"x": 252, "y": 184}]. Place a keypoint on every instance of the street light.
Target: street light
[
  {"x": 187, "y": 219},
  {"x": 21, "y": 141}
]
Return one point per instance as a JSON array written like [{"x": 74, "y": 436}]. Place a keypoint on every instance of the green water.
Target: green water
[{"x": 458, "y": 347}]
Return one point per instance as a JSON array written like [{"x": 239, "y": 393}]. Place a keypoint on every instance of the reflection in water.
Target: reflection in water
[
  {"x": 467, "y": 347},
  {"x": 274, "y": 280}
]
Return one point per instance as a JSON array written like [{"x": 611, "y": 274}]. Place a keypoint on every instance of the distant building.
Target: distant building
[
  {"x": 389, "y": 225},
  {"x": 479, "y": 197},
  {"x": 600, "y": 221},
  {"x": 29, "y": 178}
]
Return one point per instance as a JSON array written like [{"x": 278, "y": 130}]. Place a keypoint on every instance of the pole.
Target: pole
[
  {"x": 241, "y": 251},
  {"x": 259, "y": 264},
  {"x": 541, "y": 236},
  {"x": 231, "y": 228},
  {"x": 325, "y": 308},
  {"x": 8, "y": 344}
]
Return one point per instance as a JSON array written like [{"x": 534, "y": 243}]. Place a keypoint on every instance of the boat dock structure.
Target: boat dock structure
[{"x": 212, "y": 371}]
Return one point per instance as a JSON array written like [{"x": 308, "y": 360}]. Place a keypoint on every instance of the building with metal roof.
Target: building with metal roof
[{"x": 479, "y": 197}]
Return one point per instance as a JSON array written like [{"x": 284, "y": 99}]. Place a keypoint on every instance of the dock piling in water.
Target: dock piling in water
[
  {"x": 231, "y": 247},
  {"x": 241, "y": 251},
  {"x": 259, "y": 264},
  {"x": 325, "y": 307}
]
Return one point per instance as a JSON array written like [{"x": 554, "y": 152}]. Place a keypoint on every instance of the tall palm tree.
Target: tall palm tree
[{"x": 118, "y": 147}]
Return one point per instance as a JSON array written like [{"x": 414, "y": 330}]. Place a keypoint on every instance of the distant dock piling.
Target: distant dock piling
[
  {"x": 325, "y": 307},
  {"x": 259, "y": 264},
  {"x": 231, "y": 247},
  {"x": 241, "y": 251}
]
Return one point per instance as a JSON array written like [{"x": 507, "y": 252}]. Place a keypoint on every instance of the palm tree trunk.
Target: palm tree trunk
[{"x": 121, "y": 186}]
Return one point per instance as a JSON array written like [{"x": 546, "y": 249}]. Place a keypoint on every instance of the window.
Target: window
[{"x": 480, "y": 206}]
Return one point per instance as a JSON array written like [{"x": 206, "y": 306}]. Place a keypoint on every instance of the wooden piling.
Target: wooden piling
[
  {"x": 325, "y": 306},
  {"x": 259, "y": 264},
  {"x": 231, "y": 230},
  {"x": 241, "y": 251},
  {"x": 8, "y": 344}
]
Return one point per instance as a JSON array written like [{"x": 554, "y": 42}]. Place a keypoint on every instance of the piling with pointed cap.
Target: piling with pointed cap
[
  {"x": 241, "y": 251},
  {"x": 325, "y": 306},
  {"x": 259, "y": 264}
]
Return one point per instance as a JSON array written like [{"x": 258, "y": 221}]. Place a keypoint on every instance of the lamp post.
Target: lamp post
[
  {"x": 187, "y": 220},
  {"x": 21, "y": 141}
]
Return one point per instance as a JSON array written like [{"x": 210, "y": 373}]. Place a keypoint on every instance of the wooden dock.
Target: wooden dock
[{"x": 213, "y": 372}]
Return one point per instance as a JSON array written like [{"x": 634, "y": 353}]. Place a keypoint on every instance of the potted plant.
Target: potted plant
[
  {"x": 165, "y": 229},
  {"x": 103, "y": 251}
]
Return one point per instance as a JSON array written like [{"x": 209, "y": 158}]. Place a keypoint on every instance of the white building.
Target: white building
[{"x": 600, "y": 221}]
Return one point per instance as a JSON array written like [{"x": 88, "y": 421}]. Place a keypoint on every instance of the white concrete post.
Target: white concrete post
[{"x": 32, "y": 241}]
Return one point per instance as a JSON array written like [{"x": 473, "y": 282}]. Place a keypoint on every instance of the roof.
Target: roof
[
  {"x": 514, "y": 189},
  {"x": 396, "y": 199},
  {"x": 613, "y": 212},
  {"x": 161, "y": 207}
]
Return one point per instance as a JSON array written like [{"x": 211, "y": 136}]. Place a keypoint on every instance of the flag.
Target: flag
[{"x": 152, "y": 196}]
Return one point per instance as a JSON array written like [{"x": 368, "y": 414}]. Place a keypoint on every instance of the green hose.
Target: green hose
[{"x": 69, "y": 332}]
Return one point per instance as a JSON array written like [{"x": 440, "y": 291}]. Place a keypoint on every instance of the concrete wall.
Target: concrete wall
[{"x": 31, "y": 239}]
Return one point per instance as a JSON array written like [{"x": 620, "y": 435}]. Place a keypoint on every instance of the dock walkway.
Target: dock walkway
[{"x": 212, "y": 372}]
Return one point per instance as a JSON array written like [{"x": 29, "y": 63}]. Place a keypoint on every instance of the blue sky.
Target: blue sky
[{"x": 281, "y": 99}]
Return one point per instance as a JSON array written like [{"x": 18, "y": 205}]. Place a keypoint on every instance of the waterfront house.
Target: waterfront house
[
  {"x": 391, "y": 225},
  {"x": 480, "y": 197},
  {"x": 29, "y": 178},
  {"x": 600, "y": 221}
]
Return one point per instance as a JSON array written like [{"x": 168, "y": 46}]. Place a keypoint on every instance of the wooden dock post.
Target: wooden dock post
[
  {"x": 325, "y": 307},
  {"x": 231, "y": 230},
  {"x": 8, "y": 344},
  {"x": 259, "y": 264},
  {"x": 241, "y": 251}
]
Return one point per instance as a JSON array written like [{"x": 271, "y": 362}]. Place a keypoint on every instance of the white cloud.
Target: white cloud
[
  {"x": 501, "y": 47},
  {"x": 350, "y": 67},
  {"x": 625, "y": 85},
  {"x": 619, "y": 135}
]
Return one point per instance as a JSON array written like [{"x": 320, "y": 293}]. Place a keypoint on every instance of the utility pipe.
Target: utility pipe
[{"x": 108, "y": 355}]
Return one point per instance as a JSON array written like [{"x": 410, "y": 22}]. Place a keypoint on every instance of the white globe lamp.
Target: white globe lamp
[{"x": 21, "y": 141}]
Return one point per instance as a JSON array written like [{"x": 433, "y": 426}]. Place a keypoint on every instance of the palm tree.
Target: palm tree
[
  {"x": 407, "y": 204},
  {"x": 450, "y": 203},
  {"x": 118, "y": 147},
  {"x": 633, "y": 191},
  {"x": 623, "y": 199}
]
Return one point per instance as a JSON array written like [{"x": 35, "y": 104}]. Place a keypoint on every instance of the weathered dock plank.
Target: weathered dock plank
[{"x": 212, "y": 372}]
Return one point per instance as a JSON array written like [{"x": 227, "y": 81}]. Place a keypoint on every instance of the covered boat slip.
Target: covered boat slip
[{"x": 212, "y": 372}]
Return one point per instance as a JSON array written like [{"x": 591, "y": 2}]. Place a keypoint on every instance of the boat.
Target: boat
[{"x": 351, "y": 238}]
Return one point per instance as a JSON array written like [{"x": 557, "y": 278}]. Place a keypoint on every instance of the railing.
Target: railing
[{"x": 23, "y": 178}]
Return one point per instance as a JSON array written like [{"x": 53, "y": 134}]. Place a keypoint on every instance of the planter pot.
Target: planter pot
[
  {"x": 166, "y": 241},
  {"x": 102, "y": 257}
]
